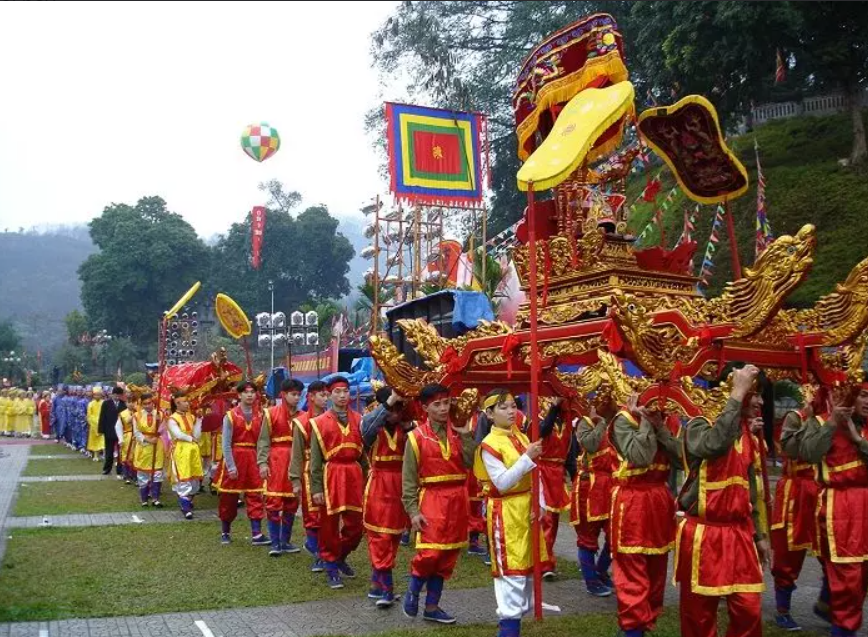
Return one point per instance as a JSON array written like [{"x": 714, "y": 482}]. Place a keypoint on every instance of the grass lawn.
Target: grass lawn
[
  {"x": 54, "y": 450},
  {"x": 104, "y": 496},
  {"x": 595, "y": 625},
  {"x": 59, "y": 573},
  {"x": 62, "y": 467}
]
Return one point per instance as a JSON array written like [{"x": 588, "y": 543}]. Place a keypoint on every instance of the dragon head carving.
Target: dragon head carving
[{"x": 752, "y": 300}]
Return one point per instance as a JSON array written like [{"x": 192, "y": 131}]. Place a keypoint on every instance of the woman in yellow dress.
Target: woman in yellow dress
[
  {"x": 504, "y": 462},
  {"x": 185, "y": 431},
  {"x": 95, "y": 440},
  {"x": 23, "y": 417}
]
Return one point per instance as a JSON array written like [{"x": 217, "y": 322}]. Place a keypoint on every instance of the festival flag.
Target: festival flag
[
  {"x": 780, "y": 67},
  {"x": 707, "y": 268},
  {"x": 764, "y": 235},
  {"x": 435, "y": 155},
  {"x": 257, "y": 232}
]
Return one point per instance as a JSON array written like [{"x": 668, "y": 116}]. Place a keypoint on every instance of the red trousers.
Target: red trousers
[
  {"x": 588, "y": 534},
  {"x": 383, "y": 549},
  {"x": 339, "y": 535},
  {"x": 848, "y": 584},
  {"x": 276, "y": 505},
  {"x": 640, "y": 582},
  {"x": 786, "y": 564},
  {"x": 699, "y": 614},
  {"x": 477, "y": 520},
  {"x": 430, "y": 562},
  {"x": 549, "y": 524},
  {"x": 227, "y": 506}
]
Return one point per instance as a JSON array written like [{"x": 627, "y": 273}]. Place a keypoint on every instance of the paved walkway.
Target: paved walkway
[
  {"x": 89, "y": 477},
  {"x": 338, "y": 616}
]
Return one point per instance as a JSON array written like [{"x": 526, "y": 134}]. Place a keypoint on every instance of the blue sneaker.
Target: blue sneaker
[
  {"x": 386, "y": 599},
  {"x": 607, "y": 580},
  {"x": 225, "y": 538},
  {"x": 318, "y": 566},
  {"x": 410, "y": 605},
  {"x": 438, "y": 615},
  {"x": 375, "y": 593},
  {"x": 597, "y": 588},
  {"x": 477, "y": 550},
  {"x": 260, "y": 539},
  {"x": 334, "y": 581},
  {"x": 346, "y": 570},
  {"x": 785, "y": 621},
  {"x": 289, "y": 547}
]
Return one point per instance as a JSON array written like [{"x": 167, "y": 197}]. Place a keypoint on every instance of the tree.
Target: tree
[
  {"x": 121, "y": 353},
  {"x": 722, "y": 50},
  {"x": 76, "y": 326},
  {"x": 833, "y": 39},
  {"x": 10, "y": 340},
  {"x": 148, "y": 257},
  {"x": 281, "y": 199},
  {"x": 305, "y": 257}
]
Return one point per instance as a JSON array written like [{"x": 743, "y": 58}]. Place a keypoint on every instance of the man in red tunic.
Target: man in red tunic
[
  {"x": 384, "y": 431},
  {"x": 839, "y": 448},
  {"x": 238, "y": 473},
  {"x": 299, "y": 468},
  {"x": 721, "y": 543},
  {"x": 337, "y": 481},
  {"x": 592, "y": 498},
  {"x": 434, "y": 484},
  {"x": 273, "y": 453},
  {"x": 643, "y": 515},
  {"x": 556, "y": 433},
  {"x": 793, "y": 524}
]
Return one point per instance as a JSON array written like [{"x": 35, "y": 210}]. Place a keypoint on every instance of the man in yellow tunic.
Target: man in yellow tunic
[
  {"x": 184, "y": 431},
  {"x": 23, "y": 417},
  {"x": 95, "y": 440},
  {"x": 504, "y": 462},
  {"x": 4, "y": 412},
  {"x": 149, "y": 457},
  {"x": 127, "y": 441}
]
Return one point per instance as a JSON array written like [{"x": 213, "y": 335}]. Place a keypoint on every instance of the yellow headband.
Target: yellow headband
[{"x": 491, "y": 401}]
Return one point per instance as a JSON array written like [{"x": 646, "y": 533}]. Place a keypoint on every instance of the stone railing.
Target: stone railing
[{"x": 817, "y": 105}]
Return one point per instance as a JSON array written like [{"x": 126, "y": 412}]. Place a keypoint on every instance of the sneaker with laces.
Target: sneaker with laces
[
  {"x": 225, "y": 538},
  {"x": 598, "y": 589},
  {"x": 334, "y": 581},
  {"x": 410, "y": 604},
  {"x": 386, "y": 600},
  {"x": 346, "y": 570},
  {"x": 785, "y": 621},
  {"x": 438, "y": 615}
]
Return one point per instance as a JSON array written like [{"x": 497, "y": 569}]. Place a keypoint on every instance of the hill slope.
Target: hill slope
[
  {"x": 804, "y": 184},
  {"x": 39, "y": 284}
]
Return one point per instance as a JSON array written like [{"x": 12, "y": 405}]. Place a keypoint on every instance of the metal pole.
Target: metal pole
[
  {"x": 417, "y": 257},
  {"x": 534, "y": 407},
  {"x": 271, "y": 288},
  {"x": 376, "y": 312}
]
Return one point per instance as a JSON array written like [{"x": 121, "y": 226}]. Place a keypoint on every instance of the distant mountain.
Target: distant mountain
[{"x": 39, "y": 282}]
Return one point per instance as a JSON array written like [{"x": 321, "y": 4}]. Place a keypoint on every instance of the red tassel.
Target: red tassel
[
  {"x": 510, "y": 345},
  {"x": 612, "y": 336},
  {"x": 452, "y": 360}
]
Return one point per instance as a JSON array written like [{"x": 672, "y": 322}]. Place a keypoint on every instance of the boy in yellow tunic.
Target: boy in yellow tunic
[
  {"x": 149, "y": 457},
  {"x": 185, "y": 431},
  {"x": 95, "y": 440},
  {"x": 29, "y": 412},
  {"x": 504, "y": 462},
  {"x": 127, "y": 442}
]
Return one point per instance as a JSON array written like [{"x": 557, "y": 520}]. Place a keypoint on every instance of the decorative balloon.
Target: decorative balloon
[{"x": 260, "y": 141}]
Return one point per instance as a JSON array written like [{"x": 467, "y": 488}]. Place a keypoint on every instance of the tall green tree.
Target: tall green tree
[
  {"x": 76, "y": 326},
  {"x": 834, "y": 42},
  {"x": 148, "y": 257},
  {"x": 305, "y": 256},
  {"x": 10, "y": 339}
]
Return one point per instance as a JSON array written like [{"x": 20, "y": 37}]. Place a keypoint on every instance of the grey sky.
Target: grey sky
[{"x": 108, "y": 102}]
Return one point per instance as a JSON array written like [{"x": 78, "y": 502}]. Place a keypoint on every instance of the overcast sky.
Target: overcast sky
[{"x": 108, "y": 102}]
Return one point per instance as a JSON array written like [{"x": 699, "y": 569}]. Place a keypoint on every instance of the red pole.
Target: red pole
[
  {"x": 733, "y": 244},
  {"x": 247, "y": 357},
  {"x": 534, "y": 407}
]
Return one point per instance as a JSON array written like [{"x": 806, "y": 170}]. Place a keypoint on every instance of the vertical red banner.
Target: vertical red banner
[{"x": 257, "y": 230}]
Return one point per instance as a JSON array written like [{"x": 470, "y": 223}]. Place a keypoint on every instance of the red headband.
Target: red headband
[
  {"x": 338, "y": 383},
  {"x": 438, "y": 396}
]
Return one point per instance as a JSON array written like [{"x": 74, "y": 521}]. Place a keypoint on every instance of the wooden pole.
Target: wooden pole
[
  {"x": 417, "y": 256},
  {"x": 534, "y": 407},
  {"x": 484, "y": 245},
  {"x": 733, "y": 244},
  {"x": 376, "y": 312}
]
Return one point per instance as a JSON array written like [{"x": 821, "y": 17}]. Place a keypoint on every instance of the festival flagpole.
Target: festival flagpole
[{"x": 534, "y": 407}]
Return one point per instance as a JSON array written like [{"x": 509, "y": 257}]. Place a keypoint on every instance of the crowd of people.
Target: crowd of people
[
  {"x": 25, "y": 413},
  {"x": 406, "y": 472}
]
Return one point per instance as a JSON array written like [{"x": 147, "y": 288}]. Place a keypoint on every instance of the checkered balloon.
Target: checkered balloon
[{"x": 260, "y": 141}]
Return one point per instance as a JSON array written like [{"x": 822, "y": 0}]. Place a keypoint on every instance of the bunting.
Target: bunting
[
  {"x": 764, "y": 235},
  {"x": 707, "y": 268}
]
